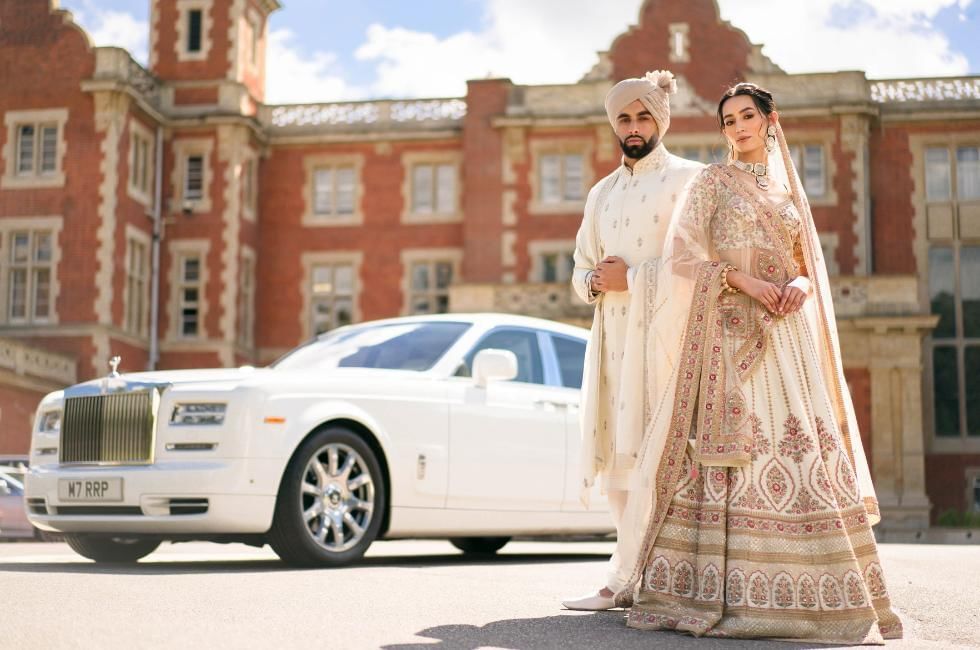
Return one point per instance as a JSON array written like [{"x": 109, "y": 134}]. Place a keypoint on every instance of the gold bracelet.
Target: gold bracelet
[{"x": 724, "y": 279}]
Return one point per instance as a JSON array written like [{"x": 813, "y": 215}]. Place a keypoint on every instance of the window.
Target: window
[
  {"x": 524, "y": 345},
  {"x": 35, "y": 148},
  {"x": 556, "y": 267},
  {"x": 975, "y": 501},
  {"x": 678, "y": 44},
  {"x": 141, "y": 150},
  {"x": 333, "y": 191},
  {"x": 137, "y": 282},
  {"x": 433, "y": 189},
  {"x": 29, "y": 276},
  {"x": 429, "y": 286},
  {"x": 953, "y": 207},
  {"x": 189, "y": 290},
  {"x": 194, "y": 24},
  {"x": 809, "y": 161},
  {"x": 194, "y": 178},
  {"x": 571, "y": 360},
  {"x": 562, "y": 178},
  {"x": 332, "y": 293},
  {"x": 246, "y": 300},
  {"x": 250, "y": 178}
]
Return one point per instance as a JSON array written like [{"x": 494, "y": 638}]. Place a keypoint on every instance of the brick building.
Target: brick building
[{"x": 170, "y": 216}]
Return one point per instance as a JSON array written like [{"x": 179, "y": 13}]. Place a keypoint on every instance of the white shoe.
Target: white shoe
[{"x": 593, "y": 603}]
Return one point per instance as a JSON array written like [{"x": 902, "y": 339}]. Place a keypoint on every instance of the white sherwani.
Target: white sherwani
[{"x": 626, "y": 215}]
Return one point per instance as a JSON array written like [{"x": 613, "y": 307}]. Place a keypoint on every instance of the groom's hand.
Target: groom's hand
[{"x": 610, "y": 275}]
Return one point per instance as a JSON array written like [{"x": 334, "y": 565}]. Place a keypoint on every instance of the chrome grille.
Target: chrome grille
[{"x": 114, "y": 428}]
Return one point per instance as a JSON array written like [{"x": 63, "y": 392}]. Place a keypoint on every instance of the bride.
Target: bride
[{"x": 760, "y": 519}]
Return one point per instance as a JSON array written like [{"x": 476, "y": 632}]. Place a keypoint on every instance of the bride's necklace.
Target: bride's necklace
[{"x": 759, "y": 170}]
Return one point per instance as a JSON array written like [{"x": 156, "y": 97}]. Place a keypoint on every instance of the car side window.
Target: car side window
[
  {"x": 524, "y": 345},
  {"x": 571, "y": 360}
]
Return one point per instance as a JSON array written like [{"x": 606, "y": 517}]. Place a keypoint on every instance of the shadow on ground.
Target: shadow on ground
[
  {"x": 178, "y": 567},
  {"x": 593, "y": 630}
]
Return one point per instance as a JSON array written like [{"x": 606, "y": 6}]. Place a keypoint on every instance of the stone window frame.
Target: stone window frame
[
  {"x": 682, "y": 30},
  {"x": 139, "y": 131},
  {"x": 250, "y": 184},
  {"x": 184, "y": 7},
  {"x": 311, "y": 259},
  {"x": 245, "y": 334},
  {"x": 11, "y": 225},
  {"x": 679, "y": 144},
  {"x": 829, "y": 243},
  {"x": 143, "y": 238},
  {"x": 539, "y": 248},
  {"x": 945, "y": 229},
  {"x": 972, "y": 476},
  {"x": 178, "y": 250},
  {"x": 410, "y": 256},
  {"x": 12, "y": 180},
  {"x": 251, "y": 35},
  {"x": 824, "y": 138},
  {"x": 183, "y": 149},
  {"x": 542, "y": 146},
  {"x": 310, "y": 165},
  {"x": 412, "y": 159}
]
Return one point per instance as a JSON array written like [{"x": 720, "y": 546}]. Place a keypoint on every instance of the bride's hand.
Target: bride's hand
[{"x": 767, "y": 293}]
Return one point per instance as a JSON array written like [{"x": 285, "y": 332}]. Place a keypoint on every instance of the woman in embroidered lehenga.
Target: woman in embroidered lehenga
[{"x": 751, "y": 498}]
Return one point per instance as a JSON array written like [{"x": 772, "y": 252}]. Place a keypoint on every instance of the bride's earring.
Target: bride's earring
[{"x": 771, "y": 138}]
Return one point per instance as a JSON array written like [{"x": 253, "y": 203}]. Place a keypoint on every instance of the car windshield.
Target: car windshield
[{"x": 394, "y": 346}]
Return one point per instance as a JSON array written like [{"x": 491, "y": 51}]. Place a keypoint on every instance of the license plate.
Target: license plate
[{"x": 90, "y": 489}]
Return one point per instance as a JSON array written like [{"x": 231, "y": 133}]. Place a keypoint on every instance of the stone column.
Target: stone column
[{"x": 894, "y": 347}]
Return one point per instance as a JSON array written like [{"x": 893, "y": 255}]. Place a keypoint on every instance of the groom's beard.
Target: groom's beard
[{"x": 635, "y": 150}]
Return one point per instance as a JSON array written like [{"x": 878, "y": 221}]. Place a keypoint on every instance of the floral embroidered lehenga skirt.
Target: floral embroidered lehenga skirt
[{"x": 779, "y": 548}]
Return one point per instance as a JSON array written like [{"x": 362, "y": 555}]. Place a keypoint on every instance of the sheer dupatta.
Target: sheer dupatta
[{"x": 679, "y": 305}]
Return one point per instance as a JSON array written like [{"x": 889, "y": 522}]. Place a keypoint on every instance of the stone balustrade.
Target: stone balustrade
[
  {"x": 34, "y": 363},
  {"x": 925, "y": 90},
  {"x": 373, "y": 115}
]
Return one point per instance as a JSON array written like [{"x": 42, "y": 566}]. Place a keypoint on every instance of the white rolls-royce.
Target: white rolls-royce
[{"x": 453, "y": 426}]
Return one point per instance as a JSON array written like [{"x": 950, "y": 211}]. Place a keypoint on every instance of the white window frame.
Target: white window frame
[
  {"x": 184, "y": 7},
  {"x": 800, "y": 153},
  {"x": 14, "y": 120},
  {"x": 138, "y": 166},
  {"x": 333, "y": 162},
  {"x": 310, "y": 261},
  {"x": 537, "y": 250},
  {"x": 431, "y": 256},
  {"x": 137, "y": 288},
  {"x": 679, "y": 44},
  {"x": 416, "y": 159},
  {"x": 563, "y": 147},
  {"x": 184, "y": 149},
  {"x": 181, "y": 250},
  {"x": 9, "y": 226}
]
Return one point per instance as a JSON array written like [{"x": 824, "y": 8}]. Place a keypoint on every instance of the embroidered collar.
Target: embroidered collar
[{"x": 653, "y": 161}]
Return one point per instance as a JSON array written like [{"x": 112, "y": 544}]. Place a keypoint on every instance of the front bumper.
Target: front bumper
[{"x": 227, "y": 496}]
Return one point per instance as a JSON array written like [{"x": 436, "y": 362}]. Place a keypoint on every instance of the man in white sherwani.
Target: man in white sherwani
[{"x": 625, "y": 221}]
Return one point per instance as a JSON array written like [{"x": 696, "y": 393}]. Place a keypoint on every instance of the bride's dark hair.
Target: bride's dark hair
[{"x": 761, "y": 97}]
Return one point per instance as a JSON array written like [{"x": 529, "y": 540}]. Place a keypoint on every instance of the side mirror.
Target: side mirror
[
  {"x": 4, "y": 488},
  {"x": 493, "y": 364}
]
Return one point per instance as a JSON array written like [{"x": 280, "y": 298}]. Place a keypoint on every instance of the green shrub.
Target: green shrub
[{"x": 959, "y": 519}]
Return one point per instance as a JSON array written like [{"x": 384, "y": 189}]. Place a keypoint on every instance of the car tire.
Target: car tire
[
  {"x": 112, "y": 550},
  {"x": 479, "y": 545},
  {"x": 331, "y": 501}
]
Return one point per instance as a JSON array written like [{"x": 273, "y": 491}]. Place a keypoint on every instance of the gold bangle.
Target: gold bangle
[{"x": 727, "y": 288}]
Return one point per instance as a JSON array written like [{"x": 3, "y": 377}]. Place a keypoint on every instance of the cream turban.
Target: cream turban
[{"x": 653, "y": 91}]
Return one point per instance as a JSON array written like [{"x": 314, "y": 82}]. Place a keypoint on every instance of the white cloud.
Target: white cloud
[
  {"x": 116, "y": 28},
  {"x": 555, "y": 41},
  {"x": 888, "y": 38},
  {"x": 294, "y": 76}
]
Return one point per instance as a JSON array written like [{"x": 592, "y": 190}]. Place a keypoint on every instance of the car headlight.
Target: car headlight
[
  {"x": 50, "y": 422},
  {"x": 198, "y": 414}
]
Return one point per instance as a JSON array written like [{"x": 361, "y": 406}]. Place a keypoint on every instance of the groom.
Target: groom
[{"x": 625, "y": 221}]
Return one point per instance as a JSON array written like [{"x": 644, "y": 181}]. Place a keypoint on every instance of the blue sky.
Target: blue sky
[{"x": 327, "y": 50}]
